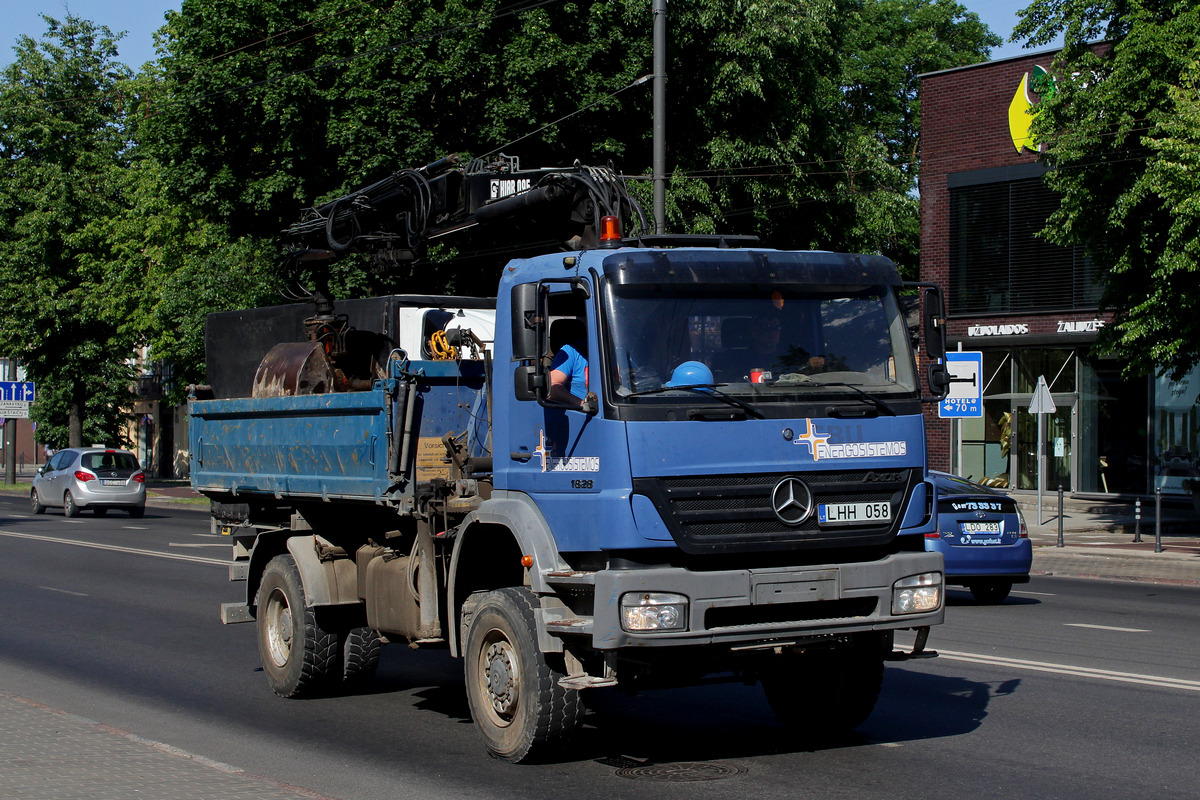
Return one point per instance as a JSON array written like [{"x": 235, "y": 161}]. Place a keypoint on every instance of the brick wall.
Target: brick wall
[{"x": 964, "y": 126}]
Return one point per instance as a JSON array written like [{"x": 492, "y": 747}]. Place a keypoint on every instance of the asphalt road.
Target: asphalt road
[{"x": 1071, "y": 689}]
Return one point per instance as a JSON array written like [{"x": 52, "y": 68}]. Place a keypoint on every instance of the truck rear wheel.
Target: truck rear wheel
[
  {"x": 821, "y": 693},
  {"x": 360, "y": 649},
  {"x": 298, "y": 655},
  {"x": 516, "y": 701}
]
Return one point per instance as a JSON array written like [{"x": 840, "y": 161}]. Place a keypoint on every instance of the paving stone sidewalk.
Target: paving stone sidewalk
[{"x": 46, "y": 754}]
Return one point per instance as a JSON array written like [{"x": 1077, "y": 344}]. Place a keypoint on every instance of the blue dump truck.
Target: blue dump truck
[{"x": 734, "y": 487}]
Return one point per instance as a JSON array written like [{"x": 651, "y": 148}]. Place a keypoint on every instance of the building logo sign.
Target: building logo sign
[
  {"x": 1022, "y": 111},
  {"x": 1020, "y": 329},
  {"x": 1080, "y": 326},
  {"x": 997, "y": 330}
]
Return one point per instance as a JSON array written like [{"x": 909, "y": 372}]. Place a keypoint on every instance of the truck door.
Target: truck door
[{"x": 572, "y": 462}]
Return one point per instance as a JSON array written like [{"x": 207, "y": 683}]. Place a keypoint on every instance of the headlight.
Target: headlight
[
  {"x": 653, "y": 611},
  {"x": 917, "y": 593}
]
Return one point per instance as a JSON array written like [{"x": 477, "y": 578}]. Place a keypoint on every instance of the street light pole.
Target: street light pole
[
  {"x": 10, "y": 431},
  {"x": 660, "y": 115}
]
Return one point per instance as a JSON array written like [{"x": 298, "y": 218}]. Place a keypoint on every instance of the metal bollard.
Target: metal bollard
[
  {"x": 1158, "y": 519},
  {"x": 1060, "y": 516},
  {"x": 1137, "y": 520}
]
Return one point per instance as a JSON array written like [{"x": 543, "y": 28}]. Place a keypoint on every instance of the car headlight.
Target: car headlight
[
  {"x": 653, "y": 611},
  {"x": 917, "y": 594}
]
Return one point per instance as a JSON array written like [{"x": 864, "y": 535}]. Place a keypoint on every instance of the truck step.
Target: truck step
[
  {"x": 586, "y": 682},
  {"x": 570, "y": 578},
  {"x": 577, "y": 625},
  {"x": 233, "y": 613}
]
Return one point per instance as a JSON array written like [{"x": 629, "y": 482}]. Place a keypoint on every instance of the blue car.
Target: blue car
[{"x": 982, "y": 536}]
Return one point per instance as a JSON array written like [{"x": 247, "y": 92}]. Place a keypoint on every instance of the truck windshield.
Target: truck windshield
[{"x": 787, "y": 344}]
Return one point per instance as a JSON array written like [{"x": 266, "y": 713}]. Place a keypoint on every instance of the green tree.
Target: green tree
[
  {"x": 889, "y": 45},
  {"x": 62, "y": 154},
  {"x": 171, "y": 267},
  {"x": 1122, "y": 136}
]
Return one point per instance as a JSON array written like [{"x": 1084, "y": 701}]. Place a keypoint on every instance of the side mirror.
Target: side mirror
[
  {"x": 939, "y": 380},
  {"x": 933, "y": 319},
  {"x": 528, "y": 321},
  {"x": 935, "y": 325},
  {"x": 529, "y": 382}
]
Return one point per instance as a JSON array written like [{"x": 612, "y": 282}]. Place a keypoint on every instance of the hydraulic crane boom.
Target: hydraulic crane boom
[{"x": 395, "y": 218}]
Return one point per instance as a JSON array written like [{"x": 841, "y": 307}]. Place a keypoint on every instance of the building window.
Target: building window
[{"x": 998, "y": 263}]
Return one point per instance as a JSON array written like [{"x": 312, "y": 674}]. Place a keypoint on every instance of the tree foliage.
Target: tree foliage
[
  {"x": 62, "y": 154},
  {"x": 1122, "y": 135}
]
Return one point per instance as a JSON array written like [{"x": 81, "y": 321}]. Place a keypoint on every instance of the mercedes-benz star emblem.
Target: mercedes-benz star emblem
[{"x": 792, "y": 501}]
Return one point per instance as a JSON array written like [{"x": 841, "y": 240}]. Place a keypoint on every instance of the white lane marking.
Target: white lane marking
[
  {"x": 63, "y": 591},
  {"x": 1039, "y": 594},
  {"x": 135, "y": 528},
  {"x": 198, "y": 544},
  {"x": 97, "y": 546},
  {"x": 1105, "y": 627},
  {"x": 1066, "y": 669}
]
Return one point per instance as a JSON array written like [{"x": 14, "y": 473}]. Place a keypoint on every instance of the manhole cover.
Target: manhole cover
[{"x": 680, "y": 773}]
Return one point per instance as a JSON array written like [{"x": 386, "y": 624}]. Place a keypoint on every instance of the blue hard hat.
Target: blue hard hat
[{"x": 690, "y": 373}]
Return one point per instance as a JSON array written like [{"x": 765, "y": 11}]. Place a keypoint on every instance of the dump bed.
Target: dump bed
[
  {"x": 328, "y": 445},
  {"x": 366, "y": 445}
]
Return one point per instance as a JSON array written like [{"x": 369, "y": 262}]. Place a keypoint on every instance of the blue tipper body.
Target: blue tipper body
[{"x": 333, "y": 446}]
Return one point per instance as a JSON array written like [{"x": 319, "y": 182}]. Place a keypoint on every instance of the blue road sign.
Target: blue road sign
[
  {"x": 965, "y": 396},
  {"x": 20, "y": 391}
]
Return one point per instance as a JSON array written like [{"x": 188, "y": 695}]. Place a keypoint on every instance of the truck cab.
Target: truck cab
[{"x": 755, "y": 441}]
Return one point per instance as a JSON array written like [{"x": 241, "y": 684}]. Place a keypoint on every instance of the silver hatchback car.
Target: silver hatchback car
[{"x": 97, "y": 478}]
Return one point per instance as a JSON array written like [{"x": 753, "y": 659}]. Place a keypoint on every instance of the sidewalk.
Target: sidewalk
[
  {"x": 1098, "y": 541},
  {"x": 49, "y": 754}
]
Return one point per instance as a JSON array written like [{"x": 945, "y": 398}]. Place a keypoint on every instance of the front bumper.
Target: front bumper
[{"x": 749, "y": 606}]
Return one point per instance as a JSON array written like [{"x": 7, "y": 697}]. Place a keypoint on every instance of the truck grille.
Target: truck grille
[{"x": 732, "y": 513}]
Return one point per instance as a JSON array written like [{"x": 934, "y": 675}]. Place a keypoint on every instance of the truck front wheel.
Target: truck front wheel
[
  {"x": 298, "y": 655},
  {"x": 516, "y": 701},
  {"x": 827, "y": 692}
]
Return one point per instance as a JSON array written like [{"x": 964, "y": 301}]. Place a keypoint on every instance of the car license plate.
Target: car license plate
[
  {"x": 981, "y": 527},
  {"x": 853, "y": 513},
  {"x": 106, "y": 482}
]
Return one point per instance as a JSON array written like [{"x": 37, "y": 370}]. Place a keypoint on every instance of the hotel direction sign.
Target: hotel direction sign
[{"x": 964, "y": 399}]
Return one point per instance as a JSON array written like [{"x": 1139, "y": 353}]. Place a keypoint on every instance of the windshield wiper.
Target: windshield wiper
[
  {"x": 709, "y": 389},
  {"x": 870, "y": 398}
]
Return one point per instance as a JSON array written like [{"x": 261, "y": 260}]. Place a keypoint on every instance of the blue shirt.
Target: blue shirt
[{"x": 569, "y": 362}]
